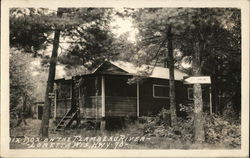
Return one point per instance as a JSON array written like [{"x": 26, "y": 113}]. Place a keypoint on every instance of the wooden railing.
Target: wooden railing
[{"x": 114, "y": 106}]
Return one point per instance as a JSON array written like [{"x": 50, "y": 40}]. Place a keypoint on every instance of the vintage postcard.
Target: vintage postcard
[{"x": 124, "y": 78}]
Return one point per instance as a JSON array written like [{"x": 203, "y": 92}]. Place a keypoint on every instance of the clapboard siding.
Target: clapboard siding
[
  {"x": 90, "y": 112},
  {"x": 148, "y": 104},
  {"x": 120, "y": 106}
]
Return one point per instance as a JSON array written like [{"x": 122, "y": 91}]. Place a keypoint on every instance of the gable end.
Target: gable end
[{"x": 108, "y": 68}]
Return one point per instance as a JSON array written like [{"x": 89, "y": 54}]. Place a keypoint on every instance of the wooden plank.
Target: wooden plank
[
  {"x": 197, "y": 79},
  {"x": 55, "y": 106},
  {"x": 121, "y": 106},
  {"x": 103, "y": 96},
  {"x": 138, "y": 99},
  {"x": 91, "y": 113},
  {"x": 210, "y": 100}
]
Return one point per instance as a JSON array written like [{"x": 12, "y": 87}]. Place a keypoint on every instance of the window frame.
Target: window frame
[
  {"x": 190, "y": 88},
  {"x": 159, "y": 85}
]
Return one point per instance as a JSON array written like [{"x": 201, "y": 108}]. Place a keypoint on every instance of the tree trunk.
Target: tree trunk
[
  {"x": 50, "y": 83},
  {"x": 198, "y": 103},
  {"x": 214, "y": 89},
  {"x": 171, "y": 78},
  {"x": 214, "y": 93}
]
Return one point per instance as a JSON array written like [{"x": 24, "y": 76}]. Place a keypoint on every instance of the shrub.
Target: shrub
[
  {"x": 219, "y": 130},
  {"x": 159, "y": 127}
]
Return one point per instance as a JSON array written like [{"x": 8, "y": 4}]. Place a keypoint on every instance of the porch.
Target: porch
[{"x": 98, "y": 96}]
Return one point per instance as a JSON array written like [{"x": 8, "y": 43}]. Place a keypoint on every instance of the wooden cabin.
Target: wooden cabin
[{"x": 106, "y": 92}]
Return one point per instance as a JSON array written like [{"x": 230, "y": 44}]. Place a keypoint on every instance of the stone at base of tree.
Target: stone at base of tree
[{"x": 103, "y": 125}]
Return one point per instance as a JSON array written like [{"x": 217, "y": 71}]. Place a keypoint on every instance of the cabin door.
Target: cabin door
[{"x": 39, "y": 112}]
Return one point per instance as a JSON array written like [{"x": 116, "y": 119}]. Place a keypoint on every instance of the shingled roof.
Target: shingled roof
[{"x": 156, "y": 72}]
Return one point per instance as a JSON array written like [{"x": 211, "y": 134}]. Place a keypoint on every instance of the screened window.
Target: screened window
[
  {"x": 92, "y": 84},
  {"x": 160, "y": 91},
  {"x": 64, "y": 91},
  {"x": 190, "y": 94}
]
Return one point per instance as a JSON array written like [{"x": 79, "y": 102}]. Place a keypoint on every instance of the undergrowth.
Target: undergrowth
[
  {"x": 220, "y": 132},
  {"x": 218, "y": 129}
]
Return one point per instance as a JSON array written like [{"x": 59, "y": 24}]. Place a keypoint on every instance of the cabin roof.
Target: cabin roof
[
  {"x": 127, "y": 68},
  {"x": 156, "y": 72}
]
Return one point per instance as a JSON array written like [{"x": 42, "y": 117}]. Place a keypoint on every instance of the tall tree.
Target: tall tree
[
  {"x": 209, "y": 36},
  {"x": 197, "y": 32},
  {"x": 89, "y": 39},
  {"x": 50, "y": 83},
  {"x": 84, "y": 28},
  {"x": 171, "y": 77},
  {"x": 161, "y": 26},
  {"x": 198, "y": 46}
]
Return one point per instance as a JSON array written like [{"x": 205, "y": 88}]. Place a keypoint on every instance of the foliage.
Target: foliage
[
  {"x": 21, "y": 87},
  {"x": 39, "y": 78},
  {"x": 86, "y": 38},
  {"x": 30, "y": 28},
  {"x": 153, "y": 24},
  {"x": 218, "y": 33},
  {"x": 21, "y": 84},
  {"x": 218, "y": 130},
  {"x": 202, "y": 34},
  {"x": 219, "y": 30},
  {"x": 90, "y": 40},
  {"x": 159, "y": 127},
  {"x": 85, "y": 29},
  {"x": 125, "y": 49}
]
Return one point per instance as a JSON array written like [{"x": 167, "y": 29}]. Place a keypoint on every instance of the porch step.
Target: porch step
[{"x": 66, "y": 120}]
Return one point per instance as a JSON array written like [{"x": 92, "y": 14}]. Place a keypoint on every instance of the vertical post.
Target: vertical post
[
  {"x": 96, "y": 96},
  {"x": 138, "y": 99},
  {"x": 55, "y": 106},
  {"x": 210, "y": 100},
  {"x": 37, "y": 111},
  {"x": 73, "y": 106},
  {"x": 103, "y": 122},
  {"x": 103, "y": 96},
  {"x": 79, "y": 99}
]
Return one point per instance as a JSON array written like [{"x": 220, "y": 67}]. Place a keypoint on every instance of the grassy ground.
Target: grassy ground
[{"x": 27, "y": 136}]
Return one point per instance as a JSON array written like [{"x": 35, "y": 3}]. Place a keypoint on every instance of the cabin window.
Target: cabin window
[
  {"x": 160, "y": 91},
  {"x": 190, "y": 93}
]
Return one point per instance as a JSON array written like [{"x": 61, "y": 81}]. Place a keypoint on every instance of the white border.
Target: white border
[{"x": 5, "y": 152}]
